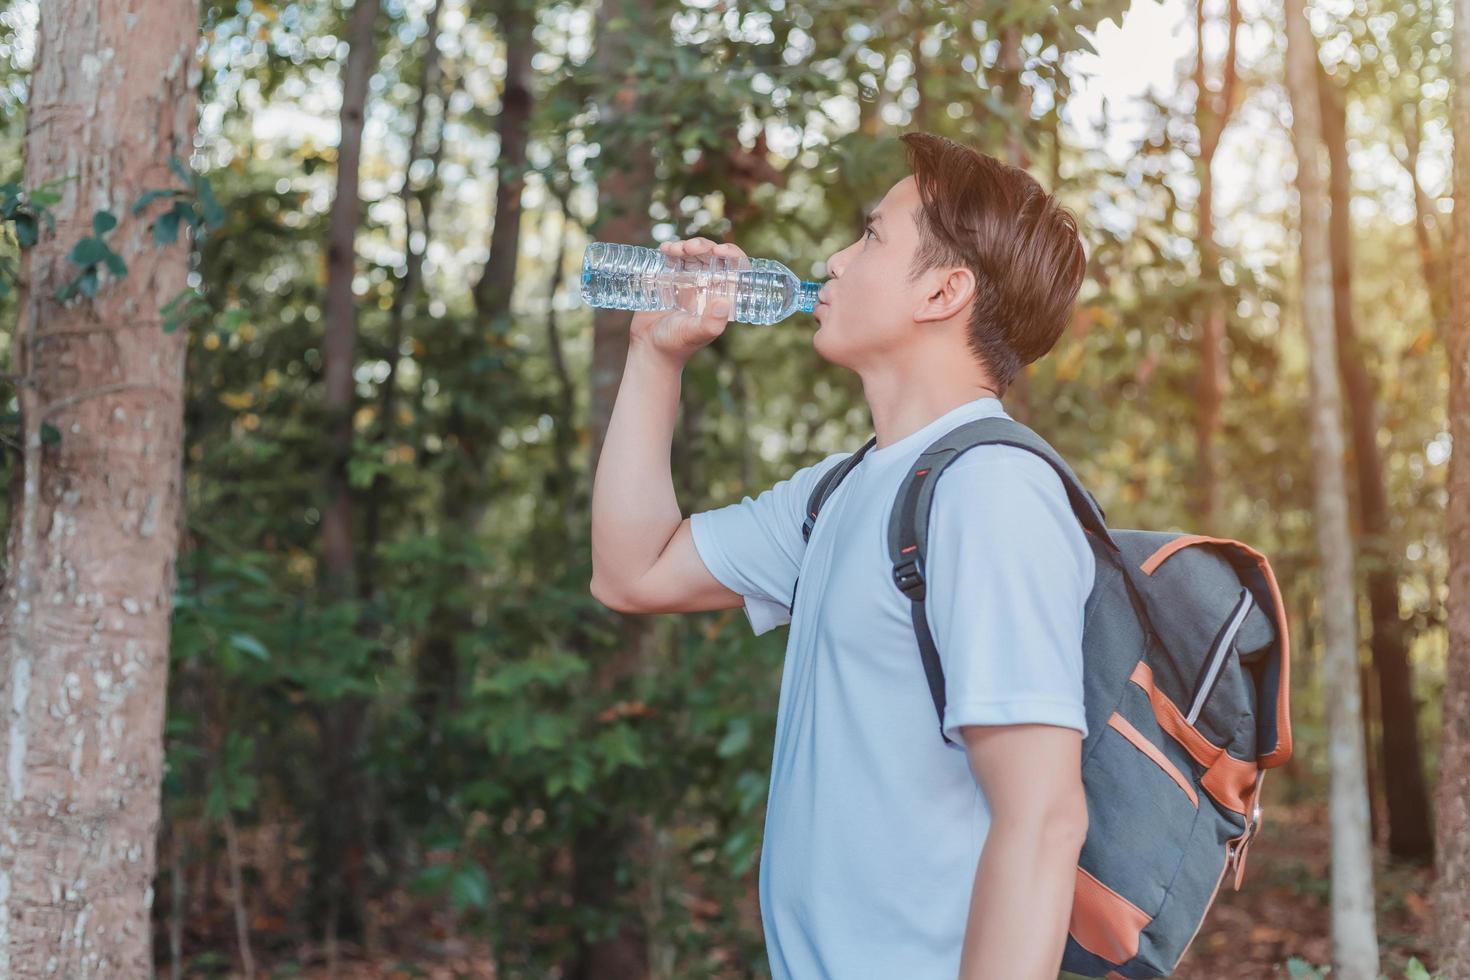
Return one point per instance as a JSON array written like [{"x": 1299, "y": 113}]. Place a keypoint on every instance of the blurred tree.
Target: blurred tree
[
  {"x": 1452, "y": 846},
  {"x": 1214, "y": 105},
  {"x": 1354, "y": 932},
  {"x": 339, "y": 856},
  {"x": 1409, "y": 835},
  {"x": 605, "y": 844}
]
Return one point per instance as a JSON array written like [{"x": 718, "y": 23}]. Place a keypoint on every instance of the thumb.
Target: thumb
[{"x": 717, "y": 315}]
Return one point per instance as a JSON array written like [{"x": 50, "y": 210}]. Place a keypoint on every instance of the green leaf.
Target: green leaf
[
  {"x": 26, "y": 231},
  {"x": 232, "y": 320},
  {"x": 1299, "y": 969},
  {"x": 43, "y": 198},
  {"x": 50, "y": 434},
  {"x": 148, "y": 197},
  {"x": 736, "y": 740},
  {"x": 166, "y": 226},
  {"x": 1415, "y": 970},
  {"x": 103, "y": 222},
  {"x": 88, "y": 251},
  {"x": 214, "y": 215},
  {"x": 469, "y": 887},
  {"x": 115, "y": 264},
  {"x": 88, "y": 282},
  {"x": 249, "y": 644},
  {"x": 178, "y": 167}
]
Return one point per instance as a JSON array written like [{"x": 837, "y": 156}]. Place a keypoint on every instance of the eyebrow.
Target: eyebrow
[{"x": 873, "y": 217}]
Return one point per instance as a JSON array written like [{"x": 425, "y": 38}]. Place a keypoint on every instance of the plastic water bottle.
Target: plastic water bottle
[{"x": 630, "y": 277}]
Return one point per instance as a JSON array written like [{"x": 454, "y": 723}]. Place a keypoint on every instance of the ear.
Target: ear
[{"x": 948, "y": 296}]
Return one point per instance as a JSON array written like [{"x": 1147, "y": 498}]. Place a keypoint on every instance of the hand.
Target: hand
[{"x": 676, "y": 333}]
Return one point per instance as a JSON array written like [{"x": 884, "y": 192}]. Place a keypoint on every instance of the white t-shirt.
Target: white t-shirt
[{"x": 874, "y": 825}]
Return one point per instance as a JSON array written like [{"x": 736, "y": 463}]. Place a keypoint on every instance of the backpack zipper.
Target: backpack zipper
[{"x": 1217, "y": 655}]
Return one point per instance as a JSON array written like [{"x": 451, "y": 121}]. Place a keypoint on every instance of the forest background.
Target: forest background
[{"x": 398, "y": 730}]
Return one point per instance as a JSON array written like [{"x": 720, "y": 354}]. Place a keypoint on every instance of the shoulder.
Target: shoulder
[
  {"x": 1011, "y": 503},
  {"x": 1005, "y": 493},
  {"x": 807, "y": 478},
  {"x": 1001, "y": 474}
]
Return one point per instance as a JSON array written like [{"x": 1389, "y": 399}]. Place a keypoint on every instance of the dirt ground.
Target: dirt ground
[
  {"x": 1280, "y": 915},
  {"x": 1281, "y": 910}
]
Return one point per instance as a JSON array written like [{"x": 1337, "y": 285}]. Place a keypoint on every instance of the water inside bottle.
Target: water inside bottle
[{"x": 629, "y": 277}]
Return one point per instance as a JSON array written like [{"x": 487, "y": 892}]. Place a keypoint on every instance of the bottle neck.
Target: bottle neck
[{"x": 806, "y": 296}]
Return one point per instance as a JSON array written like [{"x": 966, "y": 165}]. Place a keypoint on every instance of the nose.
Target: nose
[{"x": 835, "y": 263}]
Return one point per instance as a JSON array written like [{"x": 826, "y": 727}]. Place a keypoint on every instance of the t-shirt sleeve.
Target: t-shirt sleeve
[
  {"x": 755, "y": 547},
  {"x": 1008, "y": 572}
]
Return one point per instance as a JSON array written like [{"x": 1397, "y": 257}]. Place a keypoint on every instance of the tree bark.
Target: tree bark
[
  {"x": 565, "y": 433},
  {"x": 340, "y": 826},
  {"x": 1426, "y": 224},
  {"x": 1212, "y": 115},
  {"x": 1354, "y": 934},
  {"x": 92, "y": 546},
  {"x": 625, "y": 192},
  {"x": 1407, "y": 800},
  {"x": 406, "y": 291},
  {"x": 1452, "y": 843},
  {"x": 492, "y": 291}
]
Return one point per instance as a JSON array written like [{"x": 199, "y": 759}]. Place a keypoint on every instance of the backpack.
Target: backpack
[{"x": 1185, "y": 675}]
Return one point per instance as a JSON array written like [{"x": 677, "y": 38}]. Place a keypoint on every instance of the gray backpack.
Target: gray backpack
[{"x": 1185, "y": 661}]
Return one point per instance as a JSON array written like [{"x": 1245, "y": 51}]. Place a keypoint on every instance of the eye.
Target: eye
[{"x": 868, "y": 230}]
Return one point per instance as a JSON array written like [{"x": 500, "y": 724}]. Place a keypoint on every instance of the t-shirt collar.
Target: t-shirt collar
[{"x": 918, "y": 440}]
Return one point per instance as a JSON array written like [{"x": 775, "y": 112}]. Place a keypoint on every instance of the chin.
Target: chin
[{"x": 822, "y": 343}]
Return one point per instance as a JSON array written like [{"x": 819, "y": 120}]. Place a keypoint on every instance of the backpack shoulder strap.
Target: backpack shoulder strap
[
  {"x": 827, "y": 484},
  {"x": 908, "y": 522}
]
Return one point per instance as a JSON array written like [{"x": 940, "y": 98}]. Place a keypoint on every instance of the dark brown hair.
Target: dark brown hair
[{"x": 1023, "y": 247}]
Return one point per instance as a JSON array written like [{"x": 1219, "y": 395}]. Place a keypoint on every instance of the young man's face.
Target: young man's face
[{"x": 868, "y": 306}]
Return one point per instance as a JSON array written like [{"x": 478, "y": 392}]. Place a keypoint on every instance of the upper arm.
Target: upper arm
[
  {"x": 679, "y": 581},
  {"x": 1028, "y": 773},
  {"x": 745, "y": 553},
  {"x": 1008, "y": 571}
]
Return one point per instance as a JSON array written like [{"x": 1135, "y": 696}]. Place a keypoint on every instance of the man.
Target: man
[{"x": 889, "y": 854}]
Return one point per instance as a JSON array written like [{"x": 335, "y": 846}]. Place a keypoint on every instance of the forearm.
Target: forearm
[
  {"x": 1021, "y": 901},
  {"x": 634, "y": 508}
]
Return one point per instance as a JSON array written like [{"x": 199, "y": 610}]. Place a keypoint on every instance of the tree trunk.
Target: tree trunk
[
  {"x": 84, "y": 618},
  {"x": 492, "y": 291},
  {"x": 340, "y": 825},
  {"x": 625, "y": 191},
  {"x": 1426, "y": 224},
  {"x": 565, "y": 434},
  {"x": 1409, "y": 835},
  {"x": 1354, "y": 934},
  {"x": 1452, "y": 844},
  {"x": 1212, "y": 113},
  {"x": 406, "y": 291}
]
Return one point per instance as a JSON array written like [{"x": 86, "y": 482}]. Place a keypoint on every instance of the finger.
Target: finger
[{"x": 717, "y": 314}]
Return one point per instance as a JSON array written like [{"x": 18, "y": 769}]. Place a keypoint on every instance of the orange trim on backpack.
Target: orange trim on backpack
[
  {"x": 1103, "y": 922},
  {"x": 1123, "y": 727},
  {"x": 1227, "y": 779},
  {"x": 1282, "y": 752}
]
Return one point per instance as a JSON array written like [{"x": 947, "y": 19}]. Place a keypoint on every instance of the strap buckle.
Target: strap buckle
[
  {"x": 908, "y": 575},
  {"x": 1235, "y": 854}
]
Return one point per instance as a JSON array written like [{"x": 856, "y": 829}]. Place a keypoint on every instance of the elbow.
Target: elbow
[
  {"x": 1056, "y": 826},
  {"x": 1065, "y": 823},
  {"x": 612, "y": 598}
]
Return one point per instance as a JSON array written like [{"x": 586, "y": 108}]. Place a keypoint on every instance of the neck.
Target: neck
[{"x": 903, "y": 402}]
